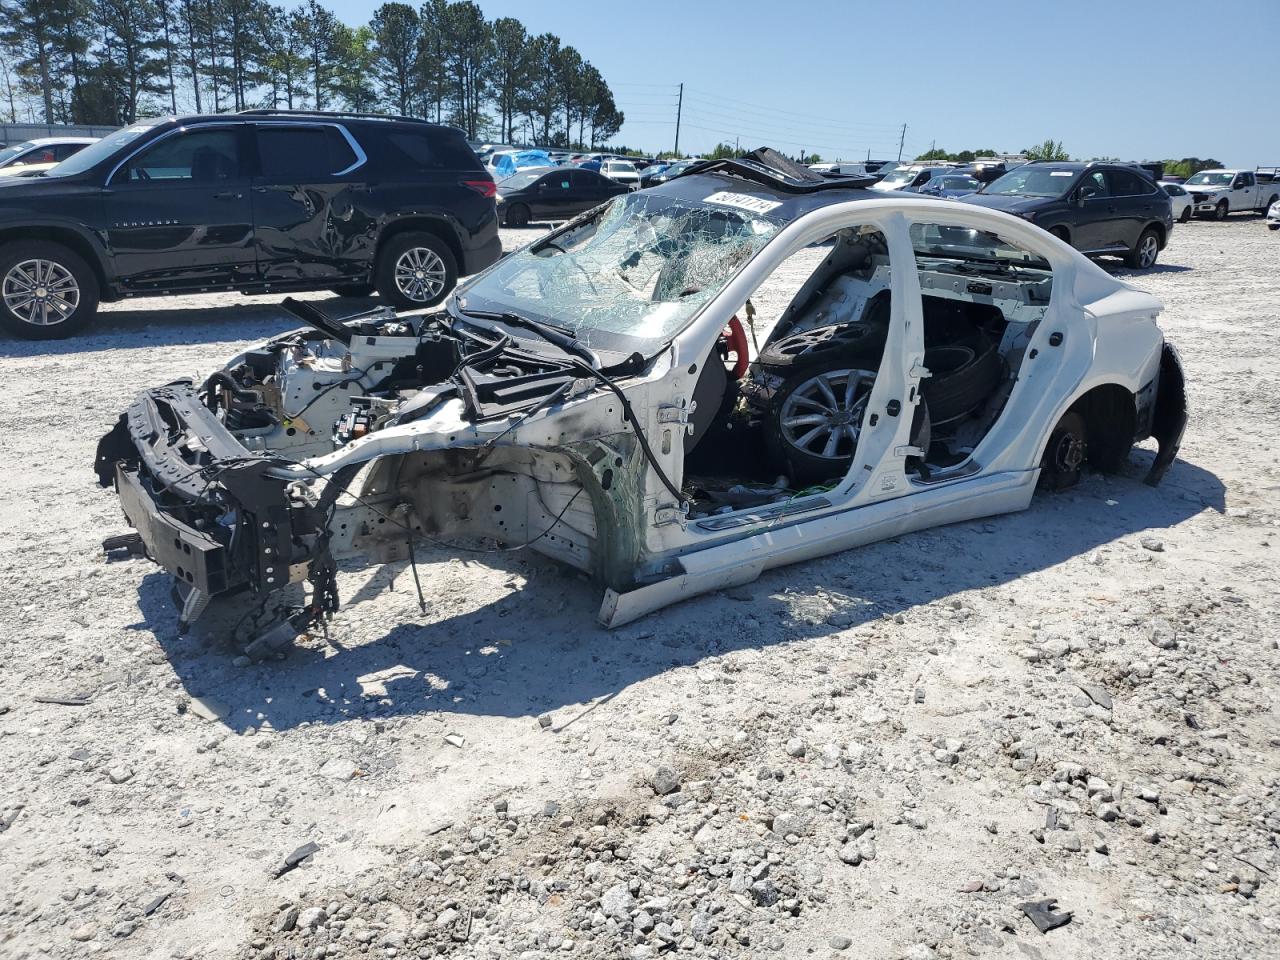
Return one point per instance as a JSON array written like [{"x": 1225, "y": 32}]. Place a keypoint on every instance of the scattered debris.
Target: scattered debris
[
  {"x": 1042, "y": 914},
  {"x": 297, "y": 858}
]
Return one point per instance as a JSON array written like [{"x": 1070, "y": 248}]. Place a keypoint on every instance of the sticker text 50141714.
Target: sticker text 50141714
[{"x": 744, "y": 201}]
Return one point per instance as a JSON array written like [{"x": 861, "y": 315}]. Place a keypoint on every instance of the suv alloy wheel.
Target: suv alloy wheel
[
  {"x": 416, "y": 270},
  {"x": 46, "y": 290}
]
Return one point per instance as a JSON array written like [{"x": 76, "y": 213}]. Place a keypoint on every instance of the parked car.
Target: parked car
[
  {"x": 1219, "y": 193},
  {"x": 950, "y": 185},
  {"x": 43, "y": 150},
  {"x": 1273, "y": 216},
  {"x": 560, "y": 194},
  {"x": 504, "y": 163},
  {"x": 623, "y": 172},
  {"x": 257, "y": 201},
  {"x": 911, "y": 178},
  {"x": 673, "y": 170},
  {"x": 845, "y": 169},
  {"x": 653, "y": 170},
  {"x": 1098, "y": 208},
  {"x": 552, "y": 403},
  {"x": 25, "y": 169},
  {"x": 1182, "y": 205}
]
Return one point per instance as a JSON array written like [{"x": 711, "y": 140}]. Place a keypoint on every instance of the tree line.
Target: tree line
[
  {"x": 1054, "y": 150},
  {"x": 111, "y": 62}
]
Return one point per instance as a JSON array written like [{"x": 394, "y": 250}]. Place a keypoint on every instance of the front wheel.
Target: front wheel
[
  {"x": 1143, "y": 256},
  {"x": 47, "y": 291},
  {"x": 1186, "y": 214},
  {"x": 416, "y": 270},
  {"x": 1221, "y": 210}
]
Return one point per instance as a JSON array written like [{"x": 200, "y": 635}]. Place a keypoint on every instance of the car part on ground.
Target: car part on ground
[
  {"x": 575, "y": 399},
  {"x": 259, "y": 201}
]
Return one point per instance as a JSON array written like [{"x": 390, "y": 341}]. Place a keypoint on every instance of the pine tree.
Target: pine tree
[{"x": 397, "y": 33}]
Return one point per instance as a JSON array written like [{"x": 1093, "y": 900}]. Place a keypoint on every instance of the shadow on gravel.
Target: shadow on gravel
[
  {"x": 539, "y": 649},
  {"x": 148, "y": 327}
]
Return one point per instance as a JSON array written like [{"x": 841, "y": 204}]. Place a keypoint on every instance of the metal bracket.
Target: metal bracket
[
  {"x": 919, "y": 371},
  {"x": 675, "y": 413},
  {"x": 672, "y": 513}
]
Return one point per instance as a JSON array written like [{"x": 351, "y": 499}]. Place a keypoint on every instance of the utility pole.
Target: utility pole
[
  {"x": 901, "y": 140},
  {"x": 735, "y": 145},
  {"x": 679, "y": 108}
]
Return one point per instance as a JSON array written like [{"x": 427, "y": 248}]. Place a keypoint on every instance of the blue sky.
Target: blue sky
[{"x": 839, "y": 78}]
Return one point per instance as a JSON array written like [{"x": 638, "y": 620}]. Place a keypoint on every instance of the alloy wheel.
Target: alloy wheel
[
  {"x": 40, "y": 292},
  {"x": 823, "y": 415},
  {"x": 420, "y": 274},
  {"x": 1149, "y": 250}
]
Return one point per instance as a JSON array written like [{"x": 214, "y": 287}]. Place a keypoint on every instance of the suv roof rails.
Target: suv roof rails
[
  {"x": 332, "y": 114},
  {"x": 765, "y": 165}
]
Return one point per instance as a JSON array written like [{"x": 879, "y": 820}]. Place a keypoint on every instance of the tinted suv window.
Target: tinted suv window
[
  {"x": 1126, "y": 184},
  {"x": 303, "y": 153},
  {"x": 1094, "y": 184},
  {"x": 427, "y": 150},
  {"x": 202, "y": 156}
]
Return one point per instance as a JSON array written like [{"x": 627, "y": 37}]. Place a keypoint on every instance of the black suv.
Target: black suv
[
  {"x": 1098, "y": 208},
  {"x": 260, "y": 201}
]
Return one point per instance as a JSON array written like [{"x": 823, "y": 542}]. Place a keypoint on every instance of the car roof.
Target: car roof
[
  {"x": 698, "y": 187},
  {"x": 315, "y": 116},
  {"x": 47, "y": 141}
]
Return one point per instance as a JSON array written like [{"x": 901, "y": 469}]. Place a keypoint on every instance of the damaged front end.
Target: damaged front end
[
  {"x": 356, "y": 438},
  {"x": 546, "y": 407}
]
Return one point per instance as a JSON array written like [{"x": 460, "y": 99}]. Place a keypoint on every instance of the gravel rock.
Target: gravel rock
[
  {"x": 338, "y": 768},
  {"x": 664, "y": 780}
]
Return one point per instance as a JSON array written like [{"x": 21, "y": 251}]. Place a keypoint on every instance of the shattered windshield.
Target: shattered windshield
[{"x": 634, "y": 275}]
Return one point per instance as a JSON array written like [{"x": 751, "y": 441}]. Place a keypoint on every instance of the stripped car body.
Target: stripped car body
[{"x": 575, "y": 398}]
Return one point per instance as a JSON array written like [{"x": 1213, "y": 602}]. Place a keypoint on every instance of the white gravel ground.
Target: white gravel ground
[{"x": 894, "y": 746}]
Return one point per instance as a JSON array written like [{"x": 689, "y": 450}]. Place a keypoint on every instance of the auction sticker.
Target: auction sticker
[{"x": 744, "y": 201}]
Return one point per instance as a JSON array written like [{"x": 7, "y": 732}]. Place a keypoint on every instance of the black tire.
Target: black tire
[
  {"x": 415, "y": 292},
  {"x": 1065, "y": 453},
  {"x": 353, "y": 289},
  {"x": 963, "y": 377},
  {"x": 1221, "y": 211},
  {"x": 1144, "y": 255},
  {"x": 844, "y": 343},
  {"x": 518, "y": 215},
  {"x": 1186, "y": 214},
  {"x": 18, "y": 264},
  {"x": 1061, "y": 233}
]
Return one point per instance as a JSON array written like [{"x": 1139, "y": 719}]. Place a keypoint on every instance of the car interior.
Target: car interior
[{"x": 790, "y": 422}]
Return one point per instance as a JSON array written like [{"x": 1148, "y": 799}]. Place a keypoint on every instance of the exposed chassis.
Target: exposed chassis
[{"x": 442, "y": 434}]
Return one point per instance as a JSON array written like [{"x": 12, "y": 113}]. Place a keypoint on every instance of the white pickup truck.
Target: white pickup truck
[{"x": 1217, "y": 193}]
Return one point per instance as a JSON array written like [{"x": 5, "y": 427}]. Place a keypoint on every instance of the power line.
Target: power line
[
  {"x": 811, "y": 117},
  {"x": 792, "y": 126}
]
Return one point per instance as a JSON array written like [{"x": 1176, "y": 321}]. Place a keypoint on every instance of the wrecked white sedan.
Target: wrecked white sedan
[{"x": 594, "y": 397}]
